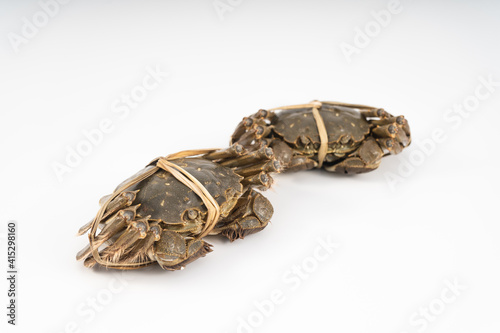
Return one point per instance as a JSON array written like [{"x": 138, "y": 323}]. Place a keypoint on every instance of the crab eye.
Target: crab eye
[{"x": 192, "y": 214}]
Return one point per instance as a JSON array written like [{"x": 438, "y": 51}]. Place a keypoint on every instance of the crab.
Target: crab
[
  {"x": 354, "y": 139},
  {"x": 154, "y": 217}
]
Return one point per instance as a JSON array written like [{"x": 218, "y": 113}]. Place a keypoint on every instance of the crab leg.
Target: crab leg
[
  {"x": 259, "y": 117},
  {"x": 403, "y": 135},
  {"x": 387, "y": 144},
  {"x": 123, "y": 200},
  {"x": 247, "y": 138},
  {"x": 251, "y": 131},
  {"x": 231, "y": 152},
  {"x": 242, "y": 127},
  {"x": 395, "y": 128},
  {"x": 264, "y": 153},
  {"x": 141, "y": 251},
  {"x": 261, "y": 180},
  {"x": 380, "y": 113},
  {"x": 135, "y": 231},
  {"x": 261, "y": 131},
  {"x": 86, "y": 227},
  {"x": 265, "y": 114},
  {"x": 268, "y": 166},
  {"x": 112, "y": 227},
  {"x": 388, "y": 130}
]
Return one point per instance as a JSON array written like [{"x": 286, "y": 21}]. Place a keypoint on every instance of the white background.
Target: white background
[{"x": 398, "y": 242}]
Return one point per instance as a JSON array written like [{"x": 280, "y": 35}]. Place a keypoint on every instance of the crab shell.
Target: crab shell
[
  {"x": 166, "y": 199},
  {"x": 346, "y": 129}
]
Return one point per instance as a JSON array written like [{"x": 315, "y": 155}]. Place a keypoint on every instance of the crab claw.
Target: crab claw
[{"x": 173, "y": 252}]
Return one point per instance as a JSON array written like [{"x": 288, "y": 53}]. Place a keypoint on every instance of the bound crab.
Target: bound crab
[
  {"x": 339, "y": 137},
  {"x": 161, "y": 214}
]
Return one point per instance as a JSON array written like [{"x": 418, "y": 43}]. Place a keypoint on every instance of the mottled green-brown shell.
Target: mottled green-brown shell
[
  {"x": 341, "y": 124},
  {"x": 165, "y": 198}
]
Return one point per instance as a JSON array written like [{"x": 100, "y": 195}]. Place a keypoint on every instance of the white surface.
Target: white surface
[{"x": 397, "y": 246}]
